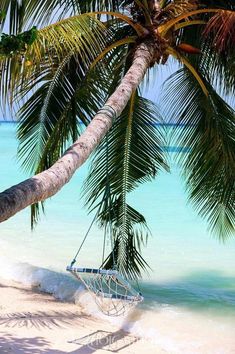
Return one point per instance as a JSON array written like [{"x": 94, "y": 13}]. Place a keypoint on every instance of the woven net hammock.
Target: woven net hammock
[{"x": 113, "y": 295}]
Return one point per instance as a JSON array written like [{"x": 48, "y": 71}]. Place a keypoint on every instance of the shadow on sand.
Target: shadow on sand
[
  {"x": 201, "y": 291},
  {"x": 41, "y": 319},
  {"x": 109, "y": 341}
]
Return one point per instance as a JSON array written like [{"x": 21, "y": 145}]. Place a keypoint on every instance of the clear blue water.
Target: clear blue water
[{"x": 192, "y": 282}]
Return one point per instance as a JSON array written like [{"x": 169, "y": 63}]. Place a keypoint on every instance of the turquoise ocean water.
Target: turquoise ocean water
[{"x": 189, "y": 302}]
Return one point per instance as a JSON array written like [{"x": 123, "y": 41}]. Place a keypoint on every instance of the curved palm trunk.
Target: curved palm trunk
[{"x": 49, "y": 182}]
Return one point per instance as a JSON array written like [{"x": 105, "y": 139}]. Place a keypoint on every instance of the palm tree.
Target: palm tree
[{"x": 88, "y": 68}]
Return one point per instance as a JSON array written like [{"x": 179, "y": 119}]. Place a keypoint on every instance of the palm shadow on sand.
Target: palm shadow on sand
[
  {"x": 41, "y": 319},
  {"x": 199, "y": 291}
]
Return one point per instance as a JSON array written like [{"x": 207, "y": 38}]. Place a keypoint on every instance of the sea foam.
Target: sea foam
[{"x": 171, "y": 329}]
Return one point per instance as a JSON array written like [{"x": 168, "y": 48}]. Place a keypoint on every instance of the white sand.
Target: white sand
[{"x": 33, "y": 323}]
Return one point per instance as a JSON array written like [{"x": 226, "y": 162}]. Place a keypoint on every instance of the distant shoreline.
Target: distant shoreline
[
  {"x": 164, "y": 148},
  {"x": 157, "y": 124},
  {"x": 8, "y": 121}
]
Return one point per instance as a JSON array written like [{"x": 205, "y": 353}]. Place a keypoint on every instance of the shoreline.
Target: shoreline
[
  {"x": 36, "y": 322},
  {"x": 32, "y": 321}
]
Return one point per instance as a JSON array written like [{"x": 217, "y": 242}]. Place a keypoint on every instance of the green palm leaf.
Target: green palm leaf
[
  {"x": 68, "y": 92},
  {"x": 49, "y": 120},
  {"x": 209, "y": 131},
  {"x": 26, "y": 13},
  {"x": 14, "y": 10},
  {"x": 82, "y": 35},
  {"x": 132, "y": 156}
]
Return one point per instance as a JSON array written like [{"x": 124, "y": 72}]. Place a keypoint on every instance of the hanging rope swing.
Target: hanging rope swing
[{"x": 113, "y": 294}]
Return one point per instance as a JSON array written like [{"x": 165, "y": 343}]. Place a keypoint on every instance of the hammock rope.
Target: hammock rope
[{"x": 113, "y": 294}]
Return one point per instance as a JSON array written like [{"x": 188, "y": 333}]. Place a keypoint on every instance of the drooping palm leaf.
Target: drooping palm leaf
[
  {"x": 134, "y": 156},
  {"x": 216, "y": 64},
  {"x": 25, "y": 13},
  {"x": 49, "y": 120},
  {"x": 68, "y": 93},
  {"x": 15, "y": 11},
  {"x": 221, "y": 27},
  {"x": 209, "y": 132},
  {"x": 82, "y": 34}
]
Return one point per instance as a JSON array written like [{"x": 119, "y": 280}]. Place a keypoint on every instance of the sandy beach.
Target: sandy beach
[{"x": 35, "y": 322}]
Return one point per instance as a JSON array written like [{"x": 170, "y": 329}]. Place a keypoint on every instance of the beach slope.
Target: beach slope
[{"x": 34, "y": 322}]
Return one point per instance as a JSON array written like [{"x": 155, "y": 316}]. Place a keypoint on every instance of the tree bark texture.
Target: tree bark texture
[{"x": 49, "y": 182}]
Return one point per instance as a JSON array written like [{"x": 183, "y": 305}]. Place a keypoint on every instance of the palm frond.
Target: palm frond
[
  {"x": 179, "y": 7},
  {"x": 131, "y": 156},
  {"x": 102, "y": 5},
  {"x": 221, "y": 27},
  {"x": 209, "y": 131},
  {"x": 220, "y": 4},
  {"x": 27, "y": 13},
  {"x": 49, "y": 120},
  {"x": 14, "y": 15},
  {"x": 217, "y": 66},
  {"x": 42, "y": 12},
  {"x": 67, "y": 92},
  {"x": 82, "y": 34},
  {"x": 190, "y": 67}
]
